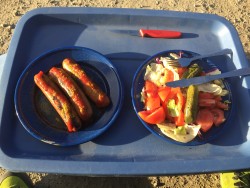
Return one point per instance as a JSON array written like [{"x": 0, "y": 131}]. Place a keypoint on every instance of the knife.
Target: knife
[
  {"x": 205, "y": 79},
  {"x": 160, "y": 33},
  {"x": 151, "y": 33}
]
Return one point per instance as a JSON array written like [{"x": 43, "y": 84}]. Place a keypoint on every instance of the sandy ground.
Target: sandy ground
[{"x": 236, "y": 11}]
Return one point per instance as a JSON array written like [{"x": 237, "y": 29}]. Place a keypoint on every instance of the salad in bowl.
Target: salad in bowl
[{"x": 191, "y": 115}]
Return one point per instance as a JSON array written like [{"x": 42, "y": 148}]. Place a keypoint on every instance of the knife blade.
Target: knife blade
[{"x": 205, "y": 79}]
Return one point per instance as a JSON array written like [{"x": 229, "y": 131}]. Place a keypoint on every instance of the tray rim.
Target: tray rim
[{"x": 117, "y": 168}]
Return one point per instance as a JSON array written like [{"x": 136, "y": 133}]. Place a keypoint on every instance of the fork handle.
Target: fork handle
[{"x": 222, "y": 52}]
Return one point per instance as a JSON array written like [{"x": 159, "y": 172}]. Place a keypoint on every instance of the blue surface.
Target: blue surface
[
  {"x": 127, "y": 147},
  {"x": 207, "y": 66},
  {"x": 38, "y": 116}
]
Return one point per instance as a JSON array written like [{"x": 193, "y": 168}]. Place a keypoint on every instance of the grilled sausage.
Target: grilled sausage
[
  {"x": 59, "y": 101},
  {"x": 75, "y": 94},
  {"x": 90, "y": 88}
]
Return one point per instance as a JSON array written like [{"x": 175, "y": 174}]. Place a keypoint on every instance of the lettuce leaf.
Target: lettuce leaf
[{"x": 213, "y": 88}]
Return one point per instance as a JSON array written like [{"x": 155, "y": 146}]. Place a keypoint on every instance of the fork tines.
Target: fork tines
[{"x": 173, "y": 62}]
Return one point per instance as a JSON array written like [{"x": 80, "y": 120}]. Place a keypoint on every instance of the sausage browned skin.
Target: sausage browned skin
[
  {"x": 59, "y": 101},
  {"x": 75, "y": 94},
  {"x": 90, "y": 88}
]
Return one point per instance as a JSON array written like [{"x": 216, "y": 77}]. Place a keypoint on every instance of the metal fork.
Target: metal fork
[{"x": 184, "y": 62}]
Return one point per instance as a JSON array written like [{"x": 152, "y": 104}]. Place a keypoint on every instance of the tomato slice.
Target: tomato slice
[
  {"x": 153, "y": 116},
  {"x": 152, "y": 102},
  {"x": 218, "y": 98},
  {"x": 210, "y": 100},
  {"x": 206, "y": 102},
  {"x": 173, "y": 93},
  {"x": 179, "y": 121},
  {"x": 205, "y": 118},
  {"x": 181, "y": 70},
  {"x": 180, "y": 101},
  {"x": 221, "y": 105},
  {"x": 150, "y": 88},
  {"x": 206, "y": 95},
  {"x": 219, "y": 117},
  {"x": 163, "y": 93}
]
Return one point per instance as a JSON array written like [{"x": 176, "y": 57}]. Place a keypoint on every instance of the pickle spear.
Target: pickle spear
[
  {"x": 192, "y": 71},
  {"x": 191, "y": 107}
]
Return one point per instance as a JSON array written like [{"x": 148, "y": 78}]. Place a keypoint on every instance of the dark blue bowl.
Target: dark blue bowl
[
  {"x": 38, "y": 116},
  {"x": 138, "y": 83}
]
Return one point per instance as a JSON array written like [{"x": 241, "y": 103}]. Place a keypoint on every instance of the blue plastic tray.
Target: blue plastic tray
[{"x": 127, "y": 148}]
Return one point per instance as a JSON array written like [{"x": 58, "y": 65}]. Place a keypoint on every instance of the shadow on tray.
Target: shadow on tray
[
  {"x": 47, "y": 28},
  {"x": 189, "y": 35},
  {"x": 127, "y": 128},
  {"x": 236, "y": 133}
]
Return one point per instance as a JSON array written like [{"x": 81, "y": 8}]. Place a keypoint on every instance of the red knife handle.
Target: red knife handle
[{"x": 160, "y": 33}]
